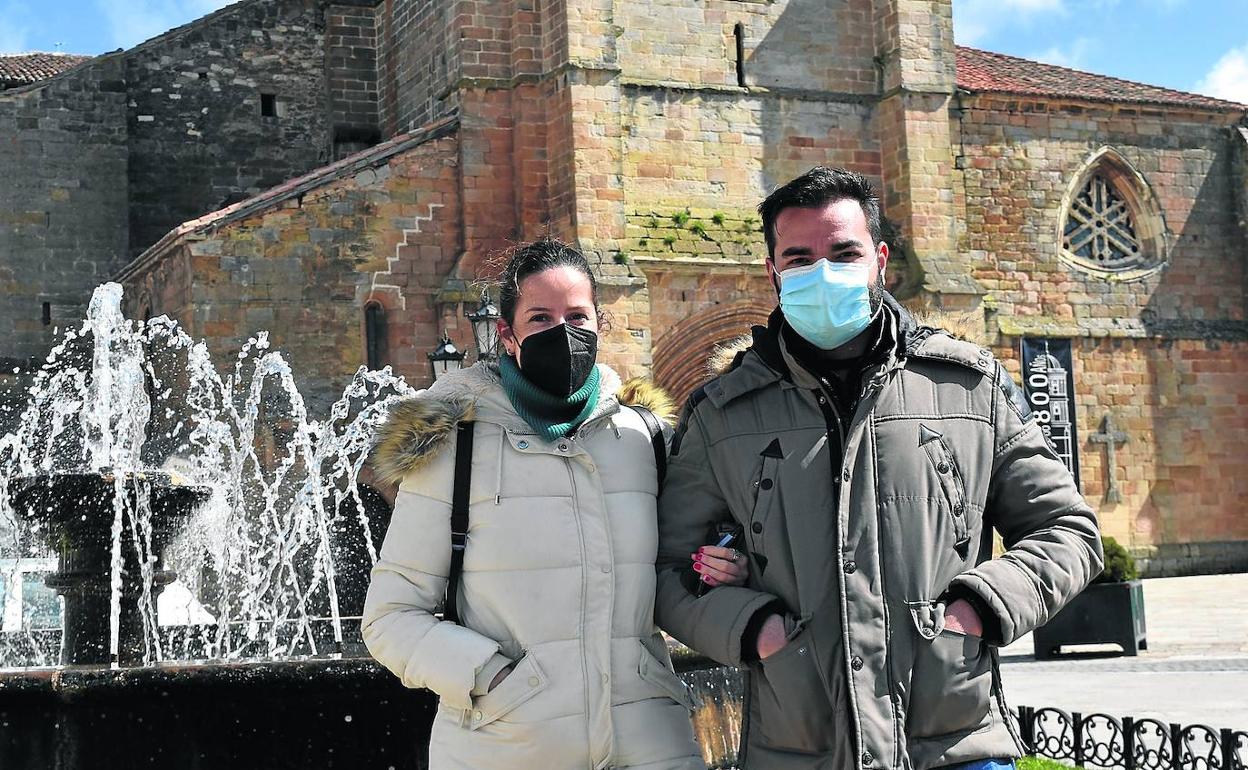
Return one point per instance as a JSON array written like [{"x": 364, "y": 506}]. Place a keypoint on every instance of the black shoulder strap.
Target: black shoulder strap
[
  {"x": 656, "y": 439},
  {"x": 459, "y": 519}
]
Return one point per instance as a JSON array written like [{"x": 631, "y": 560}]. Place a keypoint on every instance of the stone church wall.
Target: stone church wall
[
  {"x": 305, "y": 267},
  {"x": 417, "y": 61},
  {"x": 63, "y": 203},
  {"x": 1165, "y": 355},
  {"x": 199, "y": 138}
]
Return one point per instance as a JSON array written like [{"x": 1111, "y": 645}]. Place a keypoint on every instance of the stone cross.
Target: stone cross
[{"x": 1110, "y": 438}]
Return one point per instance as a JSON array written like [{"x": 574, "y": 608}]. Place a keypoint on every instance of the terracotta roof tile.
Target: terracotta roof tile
[
  {"x": 985, "y": 71},
  {"x": 25, "y": 68}
]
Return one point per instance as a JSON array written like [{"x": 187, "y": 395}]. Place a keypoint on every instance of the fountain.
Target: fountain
[{"x": 141, "y": 468}]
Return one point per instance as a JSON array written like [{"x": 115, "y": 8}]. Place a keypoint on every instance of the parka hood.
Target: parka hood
[{"x": 417, "y": 427}]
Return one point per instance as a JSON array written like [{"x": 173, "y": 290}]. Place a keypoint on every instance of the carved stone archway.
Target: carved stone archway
[{"x": 681, "y": 355}]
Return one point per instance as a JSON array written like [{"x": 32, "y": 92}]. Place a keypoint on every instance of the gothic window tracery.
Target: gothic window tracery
[
  {"x": 1111, "y": 222},
  {"x": 1100, "y": 228}
]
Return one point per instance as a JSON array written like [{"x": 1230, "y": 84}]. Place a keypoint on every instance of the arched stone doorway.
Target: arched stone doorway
[{"x": 681, "y": 355}]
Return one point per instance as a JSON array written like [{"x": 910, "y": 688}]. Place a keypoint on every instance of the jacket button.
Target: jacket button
[
  {"x": 822, "y": 400},
  {"x": 957, "y": 509},
  {"x": 476, "y": 716},
  {"x": 943, "y": 467},
  {"x": 766, "y": 483},
  {"x": 606, "y": 568},
  {"x": 534, "y": 681},
  {"x": 867, "y": 758},
  {"x": 563, "y": 447},
  {"x": 856, "y": 663},
  {"x": 850, "y": 567},
  {"x": 845, "y": 476},
  {"x": 523, "y": 445},
  {"x": 757, "y": 527},
  {"x": 801, "y": 650},
  {"x": 606, "y": 678}
]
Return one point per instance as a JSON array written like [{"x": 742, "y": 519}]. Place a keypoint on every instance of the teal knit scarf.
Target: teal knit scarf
[{"x": 549, "y": 415}]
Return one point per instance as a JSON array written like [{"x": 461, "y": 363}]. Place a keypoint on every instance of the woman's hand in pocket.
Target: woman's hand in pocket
[
  {"x": 500, "y": 676},
  {"x": 721, "y": 566}
]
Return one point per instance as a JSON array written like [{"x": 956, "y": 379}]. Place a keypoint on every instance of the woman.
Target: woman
[{"x": 556, "y": 663}]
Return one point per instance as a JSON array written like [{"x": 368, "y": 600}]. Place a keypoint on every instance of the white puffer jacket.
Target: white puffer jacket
[{"x": 558, "y": 578}]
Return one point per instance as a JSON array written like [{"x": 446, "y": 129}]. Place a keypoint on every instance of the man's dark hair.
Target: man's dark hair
[
  {"x": 819, "y": 187},
  {"x": 538, "y": 257}
]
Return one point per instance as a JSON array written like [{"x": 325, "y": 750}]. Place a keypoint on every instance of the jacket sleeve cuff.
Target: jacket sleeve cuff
[
  {"x": 749, "y": 639},
  {"x": 737, "y": 632},
  {"x": 987, "y": 616},
  {"x": 1006, "y": 628},
  {"x": 486, "y": 674},
  {"x": 447, "y": 662}
]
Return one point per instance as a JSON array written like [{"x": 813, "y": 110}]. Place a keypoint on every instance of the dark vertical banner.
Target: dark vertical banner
[{"x": 1049, "y": 384}]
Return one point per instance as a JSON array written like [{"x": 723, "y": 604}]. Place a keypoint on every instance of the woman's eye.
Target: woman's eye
[
  {"x": 539, "y": 318},
  {"x": 578, "y": 318}
]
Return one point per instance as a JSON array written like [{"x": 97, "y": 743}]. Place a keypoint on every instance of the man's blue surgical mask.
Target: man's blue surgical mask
[{"x": 827, "y": 303}]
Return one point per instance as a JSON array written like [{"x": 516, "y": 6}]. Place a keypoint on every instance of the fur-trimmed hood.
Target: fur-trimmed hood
[{"x": 417, "y": 427}]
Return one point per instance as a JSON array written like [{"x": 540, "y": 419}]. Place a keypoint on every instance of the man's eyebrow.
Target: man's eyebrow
[
  {"x": 796, "y": 251},
  {"x": 852, "y": 243}
]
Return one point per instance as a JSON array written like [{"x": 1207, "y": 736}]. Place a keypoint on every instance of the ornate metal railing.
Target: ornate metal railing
[{"x": 1100, "y": 740}]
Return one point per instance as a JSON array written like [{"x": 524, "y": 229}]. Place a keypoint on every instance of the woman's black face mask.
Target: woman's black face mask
[{"x": 559, "y": 359}]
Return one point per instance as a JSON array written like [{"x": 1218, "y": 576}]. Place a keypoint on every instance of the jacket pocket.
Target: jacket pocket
[
  {"x": 950, "y": 680},
  {"x": 790, "y": 701},
  {"x": 653, "y": 671},
  {"x": 525, "y": 681},
  {"x": 951, "y": 485}
]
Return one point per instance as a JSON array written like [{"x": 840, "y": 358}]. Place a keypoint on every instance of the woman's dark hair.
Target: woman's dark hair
[
  {"x": 819, "y": 187},
  {"x": 537, "y": 257}
]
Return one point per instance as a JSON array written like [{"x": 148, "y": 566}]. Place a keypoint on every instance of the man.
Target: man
[{"x": 866, "y": 459}]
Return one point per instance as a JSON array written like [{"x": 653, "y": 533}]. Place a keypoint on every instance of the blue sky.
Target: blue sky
[{"x": 1191, "y": 45}]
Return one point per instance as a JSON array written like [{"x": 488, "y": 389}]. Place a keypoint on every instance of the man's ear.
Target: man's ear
[
  {"x": 881, "y": 258},
  {"x": 770, "y": 264}
]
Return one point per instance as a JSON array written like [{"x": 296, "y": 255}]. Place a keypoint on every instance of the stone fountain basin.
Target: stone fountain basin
[
  {"x": 78, "y": 507},
  {"x": 348, "y": 713}
]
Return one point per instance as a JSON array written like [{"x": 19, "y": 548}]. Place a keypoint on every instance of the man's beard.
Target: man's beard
[{"x": 875, "y": 294}]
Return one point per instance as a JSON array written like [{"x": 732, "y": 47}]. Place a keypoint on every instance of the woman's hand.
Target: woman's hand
[{"x": 721, "y": 566}]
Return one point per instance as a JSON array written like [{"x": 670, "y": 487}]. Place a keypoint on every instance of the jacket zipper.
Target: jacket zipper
[{"x": 580, "y": 536}]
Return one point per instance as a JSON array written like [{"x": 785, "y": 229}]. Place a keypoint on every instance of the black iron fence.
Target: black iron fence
[{"x": 1101, "y": 740}]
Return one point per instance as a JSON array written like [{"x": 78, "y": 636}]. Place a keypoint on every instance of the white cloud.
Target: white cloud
[
  {"x": 1073, "y": 55},
  {"x": 132, "y": 21},
  {"x": 975, "y": 20},
  {"x": 1229, "y": 77}
]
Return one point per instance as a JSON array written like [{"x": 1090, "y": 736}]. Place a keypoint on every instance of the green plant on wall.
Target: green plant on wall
[
  {"x": 669, "y": 239},
  {"x": 680, "y": 218},
  {"x": 654, "y": 222},
  {"x": 718, "y": 218},
  {"x": 697, "y": 228},
  {"x": 622, "y": 257}
]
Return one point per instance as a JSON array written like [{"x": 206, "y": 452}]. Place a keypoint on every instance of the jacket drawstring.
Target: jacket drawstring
[{"x": 498, "y": 482}]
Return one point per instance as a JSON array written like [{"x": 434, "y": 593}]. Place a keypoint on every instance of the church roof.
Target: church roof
[
  {"x": 985, "y": 71},
  {"x": 22, "y": 69}
]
